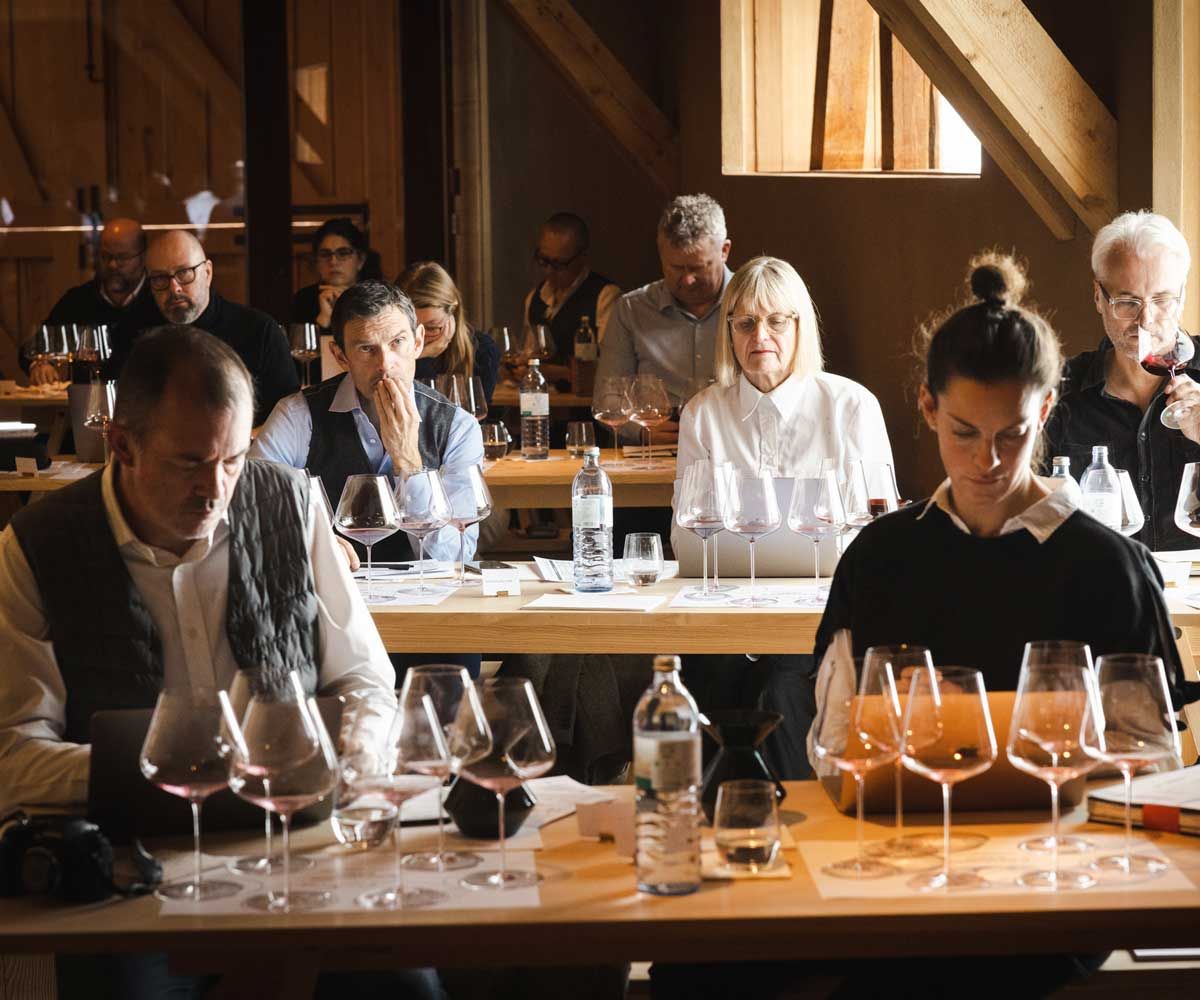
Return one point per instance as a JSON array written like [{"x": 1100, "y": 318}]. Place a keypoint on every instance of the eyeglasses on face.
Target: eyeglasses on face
[
  {"x": 1128, "y": 307},
  {"x": 550, "y": 264},
  {"x": 160, "y": 281},
  {"x": 746, "y": 324},
  {"x": 341, "y": 253}
]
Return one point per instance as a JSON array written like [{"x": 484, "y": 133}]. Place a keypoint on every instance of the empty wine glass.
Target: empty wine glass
[
  {"x": 423, "y": 510},
  {"x": 470, "y": 503},
  {"x": 459, "y": 712},
  {"x": 101, "y": 405},
  {"x": 817, "y": 512},
  {"x": 540, "y": 343},
  {"x": 317, "y": 485},
  {"x": 418, "y": 752},
  {"x": 752, "y": 512},
  {"x": 304, "y": 339},
  {"x": 1051, "y": 715},
  {"x": 283, "y": 760},
  {"x": 1135, "y": 728},
  {"x": 947, "y": 737},
  {"x": 454, "y": 388},
  {"x": 857, "y": 729},
  {"x": 1050, "y": 653},
  {"x": 651, "y": 407},
  {"x": 520, "y": 748},
  {"x": 510, "y": 352},
  {"x": 37, "y": 351},
  {"x": 643, "y": 558},
  {"x": 612, "y": 406},
  {"x": 897, "y": 665},
  {"x": 367, "y": 513},
  {"x": 703, "y": 497},
  {"x": 476, "y": 402},
  {"x": 1133, "y": 518},
  {"x": 184, "y": 754}
]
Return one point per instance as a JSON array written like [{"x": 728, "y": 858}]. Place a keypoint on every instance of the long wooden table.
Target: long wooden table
[
  {"x": 509, "y": 395},
  {"x": 591, "y": 912},
  {"x": 514, "y": 482}
]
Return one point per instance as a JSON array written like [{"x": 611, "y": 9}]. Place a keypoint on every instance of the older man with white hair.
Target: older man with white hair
[
  {"x": 668, "y": 328},
  {"x": 1140, "y": 265}
]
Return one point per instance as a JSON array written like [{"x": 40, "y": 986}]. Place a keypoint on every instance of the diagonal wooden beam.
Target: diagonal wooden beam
[
  {"x": 17, "y": 181},
  {"x": 605, "y": 86},
  {"x": 1033, "y": 112}
]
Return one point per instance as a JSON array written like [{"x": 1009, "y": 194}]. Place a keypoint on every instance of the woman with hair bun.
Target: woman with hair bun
[{"x": 998, "y": 556}]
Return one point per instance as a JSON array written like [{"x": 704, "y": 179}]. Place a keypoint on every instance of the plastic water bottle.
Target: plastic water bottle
[
  {"x": 592, "y": 524},
  {"x": 1102, "y": 489},
  {"x": 1060, "y": 467},
  {"x": 535, "y": 414},
  {"x": 666, "y": 767}
]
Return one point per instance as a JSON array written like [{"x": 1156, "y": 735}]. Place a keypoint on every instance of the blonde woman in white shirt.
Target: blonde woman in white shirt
[{"x": 774, "y": 408}]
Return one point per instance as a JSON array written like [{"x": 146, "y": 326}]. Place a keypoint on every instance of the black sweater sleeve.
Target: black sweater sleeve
[
  {"x": 487, "y": 363},
  {"x": 276, "y": 371}
]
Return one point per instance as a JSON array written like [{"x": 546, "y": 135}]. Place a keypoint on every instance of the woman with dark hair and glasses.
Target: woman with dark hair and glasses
[{"x": 342, "y": 258}]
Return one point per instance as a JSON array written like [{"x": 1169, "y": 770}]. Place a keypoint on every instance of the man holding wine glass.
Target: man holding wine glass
[{"x": 1137, "y": 392}]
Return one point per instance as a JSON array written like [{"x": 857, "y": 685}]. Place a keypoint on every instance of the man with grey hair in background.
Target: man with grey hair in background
[
  {"x": 668, "y": 328},
  {"x": 1140, "y": 264}
]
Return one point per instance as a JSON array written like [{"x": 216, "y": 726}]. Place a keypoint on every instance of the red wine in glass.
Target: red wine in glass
[{"x": 1168, "y": 364}]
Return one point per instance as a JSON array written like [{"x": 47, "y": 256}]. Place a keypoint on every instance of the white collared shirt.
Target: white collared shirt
[
  {"x": 790, "y": 431},
  {"x": 187, "y": 599},
  {"x": 1040, "y": 519}
]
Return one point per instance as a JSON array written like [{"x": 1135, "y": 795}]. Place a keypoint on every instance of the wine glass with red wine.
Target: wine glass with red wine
[
  {"x": 1167, "y": 361},
  {"x": 367, "y": 514}
]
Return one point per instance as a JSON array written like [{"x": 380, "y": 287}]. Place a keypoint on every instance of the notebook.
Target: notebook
[
  {"x": 1000, "y": 787},
  {"x": 124, "y": 804}
]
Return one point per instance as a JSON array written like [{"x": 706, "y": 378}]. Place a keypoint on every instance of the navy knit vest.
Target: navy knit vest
[{"x": 583, "y": 302}]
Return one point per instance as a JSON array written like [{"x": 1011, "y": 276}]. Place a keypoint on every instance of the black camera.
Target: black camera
[{"x": 64, "y": 856}]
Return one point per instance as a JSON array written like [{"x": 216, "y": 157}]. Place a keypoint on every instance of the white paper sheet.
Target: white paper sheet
[
  {"x": 801, "y": 595},
  {"x": 1169, "y": 788},
  {"x": 998, "y": 859},
  {"x": 402, "y": 596},
  {"x": 594, "y": 602},
  {"x": 434, "y": 569}
]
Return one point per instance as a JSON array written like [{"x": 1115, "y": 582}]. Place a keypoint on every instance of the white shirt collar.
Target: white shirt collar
[
  {"x": 552, "y": 301},
  {"x": 1041, "y": 519},
  {"x": 128, "y": 301},
  {"x": 785, "y": 397},
  {"x": 129, "y": 543}
]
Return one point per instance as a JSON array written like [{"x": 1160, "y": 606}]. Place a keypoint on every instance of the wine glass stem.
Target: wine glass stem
[
  {"x": 704, "y": 559},
  {"x": 285, "y": 820},
  {"x": 616, "y": 442},
  {"x": 858, "y": 790},
  {"x": 399, "y": 857},
  {"x": 649, "y": 442},
  {"x": 370, "y": 590},
  {"x": 753, "y": 595},
  {"x": 716, "y": 564},
  {"x": 1127, "y": 774},
  {"x": 946, "y": 833},
  {"x": 267, "y": 830},
  {"x": 421, "y": 564},
  {"x": 441, "y": 851},
  {"x": 817, "y": 563},
  {"x": 503, "y": 846},
  {"x": 899, "y": 799},
  {"x": 462, "y": 557},
  {"x": 1054, "y": 835},
  {"x": 195, "y": 849}
]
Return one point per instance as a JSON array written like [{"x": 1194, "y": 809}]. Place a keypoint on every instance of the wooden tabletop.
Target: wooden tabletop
[
  {"x": 508, "y": 395},
  {"x": 590, "y": 911},
  {"x": 26, "y": 396},
  {"x": 514, "y": 482}
]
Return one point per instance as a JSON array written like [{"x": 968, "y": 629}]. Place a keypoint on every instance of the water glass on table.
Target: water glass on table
[
  {"x": 643, "y": 558},
  {"x": 581, "y": 435},
  {"x": 746, "y": 825},
  {"x": 495, "y": 441}
]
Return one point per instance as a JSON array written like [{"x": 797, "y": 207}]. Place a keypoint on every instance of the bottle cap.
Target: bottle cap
[
  {"x": 1061, "y": 460},
  {"x": 591, "y": 450},
  {"x": 665, "y": 661},
  {"x": 535, "y": 362}
]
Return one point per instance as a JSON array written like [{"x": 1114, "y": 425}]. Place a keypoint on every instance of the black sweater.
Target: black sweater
[
  {"x": 975, "y": 601},
  {"x": 84, "y": 305}
]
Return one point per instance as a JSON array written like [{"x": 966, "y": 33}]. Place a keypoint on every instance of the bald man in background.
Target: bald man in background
[
  {"x": 118, "y": 297},
  {"x": 179, "y": 275}
]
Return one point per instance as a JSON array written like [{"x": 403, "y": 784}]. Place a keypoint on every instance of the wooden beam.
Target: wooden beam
[
  {"x": 1175, "y": 131},
  {"x": 953, "y": 72},
  {"x": 738, "y": 128},
  {"x": 185, "y": 47},
  {"x": 16, "y": 176},
  {"x": 605, "y": 86}
]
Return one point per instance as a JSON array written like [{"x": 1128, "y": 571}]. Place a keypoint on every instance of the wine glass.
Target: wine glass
[
  {"x": 1135, "y": 728},
  {"x": 459, "y": 712},
  {"x": 95, "y": 347},
  {"x": 817, "y": 512},
  {"x": 703, "y": 497},
  {"x": 521, "y": 748},
  {"x": 753, "y": 513},
  {"x": 540, "y": 343},
  {"x": 1133, "y": 518},
  {"x": 643, "y": 558},
  {"x": 476, "y": 401},
  {"x": 423, "y": 509},
  {"x": 418, "y": 752},
  {"x": 857, "y": 729},
  {"x": 1049, "y": 653},
  {"x": 367, "y": 513},
  {"x": 101, "y": 405},
  {"x": 37, "y": 350},
  {"x": 184, "y": 754},
  {"x": 1052, "y": 713},
  {"x": 651, "y": 406},
  {"x": 612, "y": 406},
  {"x": 1187, "y": 505},
  {"x": 510, "y": 352},
  {"x": 1166, "y": 360},
  {"x": 470, "y": 503},
  {"x": 495, "y": 441},
  {"x": 304, "y": 339},
  {"x": 454, "y": 388},
  {"x": 317, "y": 485},
  {"x": 66, "y": 343},
  {"x": 283, "y": 760},
  {"x": 947, "y": 737}
]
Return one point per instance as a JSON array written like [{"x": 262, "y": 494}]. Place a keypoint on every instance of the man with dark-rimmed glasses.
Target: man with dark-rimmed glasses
[
  {"x": 179, "y": 274},
  {"x": 1140, "y": 264}
]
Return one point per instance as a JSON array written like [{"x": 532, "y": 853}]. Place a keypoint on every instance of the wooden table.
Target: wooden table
[
  {"x": 508, "y": 395},
  {"x": 514, "y": 482},
  {"x": 28, "y": 397},
  {"x": 590, "y": 912},
  {"x": 18, "y": 401}
]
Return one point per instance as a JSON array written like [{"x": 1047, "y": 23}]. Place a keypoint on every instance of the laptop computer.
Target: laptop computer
[
  {"x": 782, "y": 553},
  {"x": 125, "y": 805},
  {"x": 1000, "y": 787}
]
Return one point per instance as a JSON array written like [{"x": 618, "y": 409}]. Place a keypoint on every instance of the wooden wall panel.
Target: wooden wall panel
[
  {"x": 913, "y": 103},
  {"x": 851, "y": 137}
]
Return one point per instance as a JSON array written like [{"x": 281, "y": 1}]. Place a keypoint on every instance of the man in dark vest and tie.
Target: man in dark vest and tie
[
  {"x": 179, "y": 564},
  {"x": 569, "y": 289}
]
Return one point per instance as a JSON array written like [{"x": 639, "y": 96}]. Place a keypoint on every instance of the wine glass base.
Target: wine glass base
[
  {"x": 395, "y": 899},
  {"x": 1132, "y": 864},
  {"x": 754, "y": 601},
  {"x": 911, "y": 846},
  {"x": 697, "y": 595},
  {"x": 502, "y": 880},
  {"x": 1063, "y": 879},
  {"x": 447, "y": 861},
  {"x": 375, "y": 597},
  {"x": 425, "y": 590},
  {"x": 948, "y": 881},
  {"x": 817, "y": 599},
  {"x": 260, "y": 864},
  {"x": 860, "y": 868},
  {"x": 1066, "y": 845},
  {"x": 209, "y": 889},
  {"x": 1174, "y": 414},
  {"x": 293, "y": 902}
]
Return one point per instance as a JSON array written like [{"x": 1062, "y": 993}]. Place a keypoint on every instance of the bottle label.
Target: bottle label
[
  {"x": 668, "y": 763},
  {"x": 592, "y": 512},
  {"x": 535, "y": 404},
  {"x": 585, "y": 351}
]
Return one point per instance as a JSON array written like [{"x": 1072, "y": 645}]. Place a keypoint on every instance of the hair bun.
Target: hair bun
[
  {"x": 988, "y": 285},
  {"x": 997, "y": 279}
]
